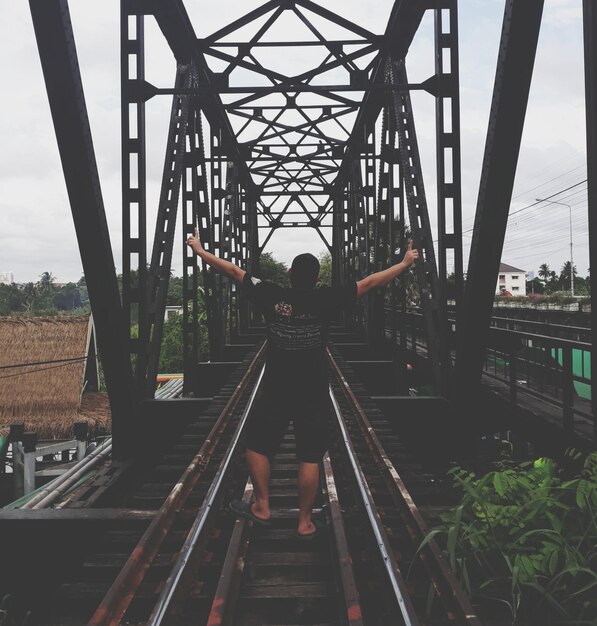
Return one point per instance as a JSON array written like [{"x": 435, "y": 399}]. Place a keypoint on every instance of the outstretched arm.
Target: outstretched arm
[
  {"x": 379, "y": 279},
  {"x": 220, "y": 265}
]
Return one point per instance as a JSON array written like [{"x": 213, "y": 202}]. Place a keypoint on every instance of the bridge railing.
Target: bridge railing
[
  {"x": 550, "y": 368},
  {"x": 549, "y": 362}
]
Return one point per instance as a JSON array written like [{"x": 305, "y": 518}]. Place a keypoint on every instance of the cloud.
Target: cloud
[{"x": 36, "y": 230}]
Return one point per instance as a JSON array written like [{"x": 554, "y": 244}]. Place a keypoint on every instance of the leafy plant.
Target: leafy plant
[{"x": 524, "y": 539}]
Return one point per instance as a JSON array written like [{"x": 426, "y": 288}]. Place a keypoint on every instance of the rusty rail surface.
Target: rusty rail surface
[
  {"x": 451, "y": 594},
  {"x": 354, "y": 613},
  {"x": 395, "y": 577},
  {"x": 220, "y": 613},
  {"x": 226, "y": 596},
  {"x": 171, "y": 590},
  {"x": 120, "y": 595}
]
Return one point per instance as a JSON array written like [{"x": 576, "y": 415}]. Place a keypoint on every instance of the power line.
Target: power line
[
  {"x": 548, "y": 181},
  {"x": 40, "y": 369},
  {"x": 529, "y": 206},
  {"x": 13, "y": 365}
]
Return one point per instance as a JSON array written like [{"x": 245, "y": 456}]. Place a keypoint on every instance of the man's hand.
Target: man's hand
[
  {"x": 194, "y": 243},
  {"x": 379, "y": 279},
  {"x": 411, "y": 255},
  {"x": 219, "y": 265}
]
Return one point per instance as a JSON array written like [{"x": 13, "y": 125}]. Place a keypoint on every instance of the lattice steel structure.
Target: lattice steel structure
[
  {"x": 252, "y": 149},
  {"x": 298, "y": 151}
]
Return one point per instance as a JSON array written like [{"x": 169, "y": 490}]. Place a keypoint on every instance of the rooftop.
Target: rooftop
[{"x": 44, "y": 366}]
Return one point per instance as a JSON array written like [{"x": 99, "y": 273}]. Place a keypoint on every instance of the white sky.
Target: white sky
[{"x": 36, "y": 228}]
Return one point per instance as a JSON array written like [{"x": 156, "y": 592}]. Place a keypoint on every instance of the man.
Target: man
[{"x": 295, "y": 382}]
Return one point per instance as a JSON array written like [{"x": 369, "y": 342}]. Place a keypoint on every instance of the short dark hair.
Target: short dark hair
[{"x": 304, "y": 271}]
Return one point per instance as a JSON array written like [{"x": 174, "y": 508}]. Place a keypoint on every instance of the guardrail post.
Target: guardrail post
[
  {"x": 513, "y": 368},
  {"x": 568, "y": 390},
  {"x": 16, "y": 435},
  {"x": 80, "y": 429},
  {"x": 29, "y": 447}
]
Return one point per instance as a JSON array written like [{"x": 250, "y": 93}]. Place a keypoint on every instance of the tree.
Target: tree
[
  {"x": 46, "y": 282},
  {"x": 565, "y": 276},
  {"x": 325, "y": 269},
  {"x": 273, "y": 271},
  {"x": 544, "y": 272},
  {"x": 553, "y": 283},
  {"x": 45, "y": 293},
  {"x": 581, "y": 287},
  {"x": 535, "y": 286},
  {"x": 82, "y": 287},
  {"x": 171, "y": 354},
  {"x": 11, "y": 299},
  {"x": 174, "y": 297},
  {"x": 30, "y": 297},
  {"x": 68, "y": 298}
]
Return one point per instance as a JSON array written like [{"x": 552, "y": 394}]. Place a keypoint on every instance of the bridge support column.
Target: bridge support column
[
  {"x": 516, "y": 58},
  {"x": 58, "y": 53},
  {"x": 590, "y": 38}
]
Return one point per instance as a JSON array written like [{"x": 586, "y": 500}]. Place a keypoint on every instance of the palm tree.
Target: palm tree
[
  {"x": 544, "y": 271},
  {"x": 565, "y": 275},
  {"x": 46, "y": 281},
  {"x": 30, "y": 296}
]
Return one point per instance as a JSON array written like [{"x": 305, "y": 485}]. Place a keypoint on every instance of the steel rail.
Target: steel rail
[
  {"x": 352, "y": 602},
  {"x": 160, "y": 613},
  {"x": 118, "y": 598},
  {"x": 396, "y": 579},
  {"x": 234, "y": 564},
  {"x": 221, "y": 612},
  {"x": 448, "y": 588}
]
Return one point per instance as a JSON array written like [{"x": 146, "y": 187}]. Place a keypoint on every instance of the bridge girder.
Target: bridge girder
[{"x": 252, "y": 158}]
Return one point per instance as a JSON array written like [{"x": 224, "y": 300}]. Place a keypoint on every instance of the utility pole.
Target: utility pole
[{"x": 571, "y": 256}]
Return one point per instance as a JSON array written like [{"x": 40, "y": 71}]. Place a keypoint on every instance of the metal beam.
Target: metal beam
[
  {"x": 161, "y": 257},
  {"x": 58, "y": 54},
  {"x": 404, "y": 21},
  {"x": 434, "y": 309},
  {"x": 518, "y": 45},
  {"x": 447, "y": 129},
  {"x": 133, "y": 164},
  {"x": 590, "y": 41},
  {"x": 195, "y": 214},
  {"x": 174, "y": 22}
]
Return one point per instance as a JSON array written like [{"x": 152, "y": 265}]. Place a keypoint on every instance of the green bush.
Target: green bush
[
  {"x": 171, "y": 354},
  {"x": 524, "y": 538}
]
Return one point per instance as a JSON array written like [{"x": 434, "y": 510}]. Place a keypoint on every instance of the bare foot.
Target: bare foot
[
  {"x": 257, "y": 513},
  {"x": 306, "y": 529}
]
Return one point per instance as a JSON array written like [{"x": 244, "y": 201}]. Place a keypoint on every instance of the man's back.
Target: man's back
[
  {"x": 295, "y": 380},
  {"x": 297, "y": 321}
]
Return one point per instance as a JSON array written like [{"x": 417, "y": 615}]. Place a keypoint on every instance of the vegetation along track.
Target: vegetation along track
[{"x": 195, "y": 563}]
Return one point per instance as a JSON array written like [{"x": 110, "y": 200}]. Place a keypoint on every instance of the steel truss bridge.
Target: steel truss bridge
[{"x": 251, "y": 150}]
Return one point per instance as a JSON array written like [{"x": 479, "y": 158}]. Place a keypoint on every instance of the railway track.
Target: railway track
[{"x": 193, "y": 562}]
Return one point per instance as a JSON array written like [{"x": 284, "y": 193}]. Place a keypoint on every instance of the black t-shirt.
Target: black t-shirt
[{"x": 297, "y": 323}]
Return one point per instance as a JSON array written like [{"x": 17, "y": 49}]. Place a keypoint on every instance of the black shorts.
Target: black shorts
[{"x": 269, "y": 418}]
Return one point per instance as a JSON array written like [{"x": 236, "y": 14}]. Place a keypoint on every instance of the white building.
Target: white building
[
  {"x": 511, "y": 279},
  {"x": 171, "y": 311},
  {"x": 6, "y": 278}
]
